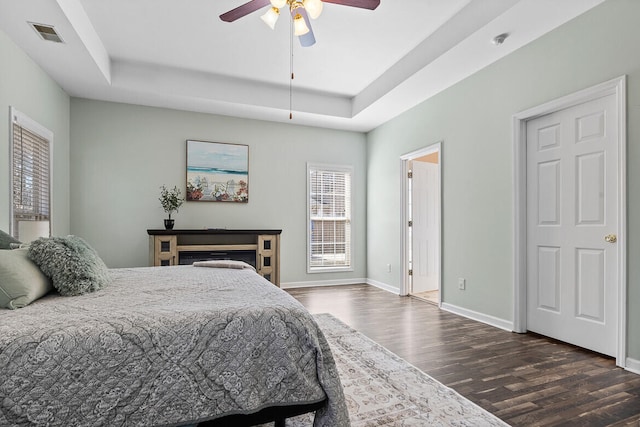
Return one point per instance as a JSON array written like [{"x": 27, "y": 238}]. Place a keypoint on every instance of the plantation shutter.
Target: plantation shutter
[
  {"x": 330, "y": 218},
  {"x": 30, "y": 177}
]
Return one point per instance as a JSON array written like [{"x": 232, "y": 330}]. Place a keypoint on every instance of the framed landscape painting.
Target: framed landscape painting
[{"x": 217, "y": 172}]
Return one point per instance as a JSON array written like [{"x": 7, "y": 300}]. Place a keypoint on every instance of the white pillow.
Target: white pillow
[
  {"x": 224, "y": 263},
  {"x": 21, "y": 281}
]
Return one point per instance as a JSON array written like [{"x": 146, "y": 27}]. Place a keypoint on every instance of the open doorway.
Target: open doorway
[{"x": 422, "y": 223}]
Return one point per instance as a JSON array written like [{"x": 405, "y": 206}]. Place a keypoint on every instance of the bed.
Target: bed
[{"x": 166, "y": 346}]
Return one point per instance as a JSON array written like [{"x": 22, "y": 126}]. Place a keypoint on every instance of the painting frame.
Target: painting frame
[{"x": 217, "y": 172}]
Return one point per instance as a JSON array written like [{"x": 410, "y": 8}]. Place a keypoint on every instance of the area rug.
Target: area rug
[{"x": 382, "y": 389}]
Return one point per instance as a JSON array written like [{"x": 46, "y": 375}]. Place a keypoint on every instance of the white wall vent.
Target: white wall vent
[{"x": 47, "y": 32}]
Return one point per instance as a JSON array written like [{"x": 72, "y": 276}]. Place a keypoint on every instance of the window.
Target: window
[
  {"x": 329, "y": 211},
  {"x": 30, "y": 178}
]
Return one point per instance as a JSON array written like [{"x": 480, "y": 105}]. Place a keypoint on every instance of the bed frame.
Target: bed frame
[{"x": 277, "y": 415}]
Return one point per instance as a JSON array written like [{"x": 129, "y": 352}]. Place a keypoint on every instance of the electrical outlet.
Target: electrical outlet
[
  {"x": 388, "y": 268},
  {"x": 462, "y": 284}
]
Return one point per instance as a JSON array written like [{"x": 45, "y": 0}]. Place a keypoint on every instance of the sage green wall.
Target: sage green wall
[
  {"x": 30, "y": 90},
  {"x": 473, "y": 119},
  {"x": 121, "y": 154}
]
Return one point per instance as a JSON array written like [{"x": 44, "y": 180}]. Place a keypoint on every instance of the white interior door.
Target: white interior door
[
  {"x": 572, "y": 222},
  {"x": 425, "y": 226}
]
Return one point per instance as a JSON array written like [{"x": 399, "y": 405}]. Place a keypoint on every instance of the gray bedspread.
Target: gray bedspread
[{"x": 164, "y": 346}]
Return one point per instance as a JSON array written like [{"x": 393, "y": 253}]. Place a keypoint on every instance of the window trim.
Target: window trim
[
  {"x": 19, "y": 118},
  {"x": 330, "y": 269}
]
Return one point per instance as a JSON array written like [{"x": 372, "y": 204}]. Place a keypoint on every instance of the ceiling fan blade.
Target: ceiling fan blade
[
  {"x": 364, "y": 4},
  {"x": 243, "y": 10},
  {"x": 308, "y": 39}
]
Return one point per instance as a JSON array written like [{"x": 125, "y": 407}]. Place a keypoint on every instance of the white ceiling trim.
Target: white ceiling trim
[
  {"x": 526, "y": 21},
  {"x": 79, "y": 20},
  {"x": 470, "y": 19}
]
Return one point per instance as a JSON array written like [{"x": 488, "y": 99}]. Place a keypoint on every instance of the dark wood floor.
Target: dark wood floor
[{"x": 525, "y": 379}]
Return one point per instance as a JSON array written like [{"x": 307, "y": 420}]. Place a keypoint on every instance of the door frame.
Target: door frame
[
  {"x": 615, "y": 87},
  {"x": 405, "y": 285}
]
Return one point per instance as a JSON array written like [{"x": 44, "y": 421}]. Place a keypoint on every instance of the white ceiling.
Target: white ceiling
[{"x": 366, "y": 67}]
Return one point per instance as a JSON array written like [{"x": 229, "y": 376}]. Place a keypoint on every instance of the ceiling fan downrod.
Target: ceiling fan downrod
[{"x": 301, "y": 12}]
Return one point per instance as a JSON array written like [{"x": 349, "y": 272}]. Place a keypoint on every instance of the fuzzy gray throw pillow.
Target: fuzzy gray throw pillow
[{"x": 73, "y": 266}]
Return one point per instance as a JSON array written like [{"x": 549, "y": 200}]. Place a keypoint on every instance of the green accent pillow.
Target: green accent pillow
[
  {"x": 21, "y": 281},
  {"x": 6, "y": 240},
  {"x": 73, "y": 266}
]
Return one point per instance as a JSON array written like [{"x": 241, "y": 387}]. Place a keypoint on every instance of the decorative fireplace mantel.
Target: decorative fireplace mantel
[{"x": 260, "y": 248}]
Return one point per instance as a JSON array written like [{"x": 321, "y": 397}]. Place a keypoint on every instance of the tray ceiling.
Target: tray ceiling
[{"x": 366, "y": 67}]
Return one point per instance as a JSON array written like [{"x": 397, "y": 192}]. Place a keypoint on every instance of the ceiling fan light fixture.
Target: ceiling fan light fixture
[
  {"x": 279, "y": 4},
  {"x": 299, "y": 25},
  {"x": 271, "y": 17},
  {"x": 313, "y": 8}
]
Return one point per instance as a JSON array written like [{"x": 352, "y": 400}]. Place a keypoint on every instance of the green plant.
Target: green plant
[{"x": 170, "y": 199}]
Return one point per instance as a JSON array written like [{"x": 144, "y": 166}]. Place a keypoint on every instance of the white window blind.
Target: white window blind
[
  {"x": 30, "y": 173},
  {"x": 329, "y": 208}
]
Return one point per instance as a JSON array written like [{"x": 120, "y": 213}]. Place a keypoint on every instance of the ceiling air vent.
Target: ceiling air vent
[{"x": 47, "y": 32}]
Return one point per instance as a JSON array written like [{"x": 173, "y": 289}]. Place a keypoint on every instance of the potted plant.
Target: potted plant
[{"x": 171, "y": 200}]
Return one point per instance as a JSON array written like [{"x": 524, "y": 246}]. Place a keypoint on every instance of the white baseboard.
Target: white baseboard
[
  {"x": 507, "y": 325},
  {"x": 310, "y": 284},
  {"x": 383, "y": 286},
  {"x": 633, "y": 365}
]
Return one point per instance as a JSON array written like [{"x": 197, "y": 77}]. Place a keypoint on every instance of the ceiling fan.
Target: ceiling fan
[{"x": 301, "y": 11}]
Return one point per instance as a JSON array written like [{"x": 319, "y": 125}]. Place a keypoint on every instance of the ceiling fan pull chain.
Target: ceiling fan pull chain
[
  {"x": 291, "y": 97},
  {"x": 291, "y": 70}
]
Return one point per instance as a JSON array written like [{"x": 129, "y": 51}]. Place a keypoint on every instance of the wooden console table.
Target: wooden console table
[{"x": 260, "y": 248}]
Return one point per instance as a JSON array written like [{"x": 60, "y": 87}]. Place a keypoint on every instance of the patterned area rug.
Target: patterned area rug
[{"x": 384, "y": 390}]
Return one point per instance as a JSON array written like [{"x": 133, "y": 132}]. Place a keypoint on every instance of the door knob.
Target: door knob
[{"x": 610, "y": 238}]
